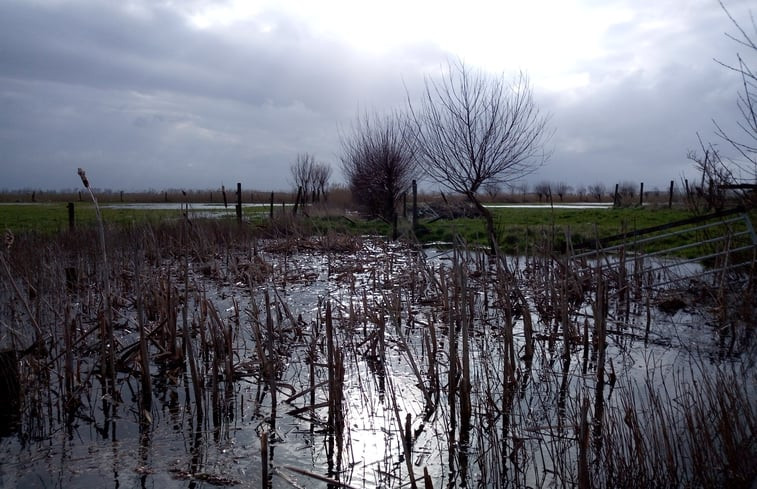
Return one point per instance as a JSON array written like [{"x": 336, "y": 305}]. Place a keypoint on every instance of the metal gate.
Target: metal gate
[{"x": 718, "y": 249}]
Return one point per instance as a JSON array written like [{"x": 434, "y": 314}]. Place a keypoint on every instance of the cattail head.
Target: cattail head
[
  {"x": 8, "y": 239},
  {"x": 83, "y": 176}
]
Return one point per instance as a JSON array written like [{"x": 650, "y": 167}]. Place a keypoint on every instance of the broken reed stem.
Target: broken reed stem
[
  {"x": 564, "y": 315},
  {"x": 427, "y": 482},
  {"x": 600, "y": 323},
  {"x": 406, "y": 446},
  {"x": 433, "y": 369},
  {"x": 146, "y": 400},
  {"x": 270, "y": 359},
  {"x": 69, "y": 325},
  {"x": 336, "y": 424},
  {"x": 264, "y": 462},
  {"x": 318, "y": 477},
  {"x": 330, "y": 362},
  {"x": 222, "y": 341},
  {"x": 188, "y": 348},
  {"x": 583, "y": 447},
  {"x": 465, "y": 382},
  {"x": 452, "y": 376},
  {"x": 411, "y": 360},
  {"x": 21, "y": 297},
  {"x": 312, "y": 357}
]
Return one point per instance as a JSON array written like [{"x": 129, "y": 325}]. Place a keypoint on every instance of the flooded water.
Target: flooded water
[{"x": 356, "y": 364}]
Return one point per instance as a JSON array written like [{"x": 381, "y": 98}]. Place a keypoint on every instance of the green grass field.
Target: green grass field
[
  {"x": 518, "y": 230},
  {"x": 48, "y": 218}
]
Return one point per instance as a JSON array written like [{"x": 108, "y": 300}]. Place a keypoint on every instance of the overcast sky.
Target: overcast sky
[{"x": 151, "y": 94}]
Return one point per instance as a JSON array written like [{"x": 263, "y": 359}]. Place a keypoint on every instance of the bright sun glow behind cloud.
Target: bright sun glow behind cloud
[{"x": 548, "y": 40}]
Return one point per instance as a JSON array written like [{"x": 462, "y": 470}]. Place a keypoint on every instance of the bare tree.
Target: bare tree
[
  {"x": 378, "y": 161},
  {"x": 473, "y": 128},
  {"x": 561, "y": 189},
  {"x": 597, "y": 191},
  {"x": 543, "y": 189},
  {"x": 321, "y": 176},
  {"x": 310, "y": 176},
  {"x": 302, "y": 173}
]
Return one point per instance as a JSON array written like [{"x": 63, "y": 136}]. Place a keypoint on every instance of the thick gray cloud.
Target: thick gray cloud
[{"x": 141, "y": 98}]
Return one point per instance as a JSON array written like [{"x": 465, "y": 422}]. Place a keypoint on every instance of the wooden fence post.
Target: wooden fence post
[
  {"x": 670, "y": 195},
  {"x": 271, "y": 213},
  {"x": 297, "y": 201},
  {"x": 641, "y": 194},
  {"x": 239, "y": 202}
]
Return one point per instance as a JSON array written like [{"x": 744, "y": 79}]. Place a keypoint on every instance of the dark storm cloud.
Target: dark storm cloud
[
  {"x": 141, "y": 98},
  {"x": 145, "y": 100}
]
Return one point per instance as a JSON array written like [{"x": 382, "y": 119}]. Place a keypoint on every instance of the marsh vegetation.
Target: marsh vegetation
[{"x": 197, "y": 352}]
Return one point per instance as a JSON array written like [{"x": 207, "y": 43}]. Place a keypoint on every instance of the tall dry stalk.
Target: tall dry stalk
[{"x": 108, "y": 342}]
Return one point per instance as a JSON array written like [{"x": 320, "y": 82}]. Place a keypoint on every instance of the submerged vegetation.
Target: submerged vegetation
[{"x": 291, "y": 353}]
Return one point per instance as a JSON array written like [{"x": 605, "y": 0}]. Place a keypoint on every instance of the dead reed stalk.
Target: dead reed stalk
[
  {"x": 108, "y": 341},
  {"x": 197, "y": 385}
]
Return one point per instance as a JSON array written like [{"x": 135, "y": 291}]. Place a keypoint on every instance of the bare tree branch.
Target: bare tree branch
[{"x": 745, "y": 143}]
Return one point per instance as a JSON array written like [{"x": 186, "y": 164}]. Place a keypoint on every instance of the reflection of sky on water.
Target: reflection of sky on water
[{"x": 363, "y": 285}]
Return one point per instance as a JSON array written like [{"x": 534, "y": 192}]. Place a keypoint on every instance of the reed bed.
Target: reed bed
[{"x": 203, "y": 351}]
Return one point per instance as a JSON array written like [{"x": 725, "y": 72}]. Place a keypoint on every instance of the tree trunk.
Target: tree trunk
[{"x": 489, "y": 221}]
